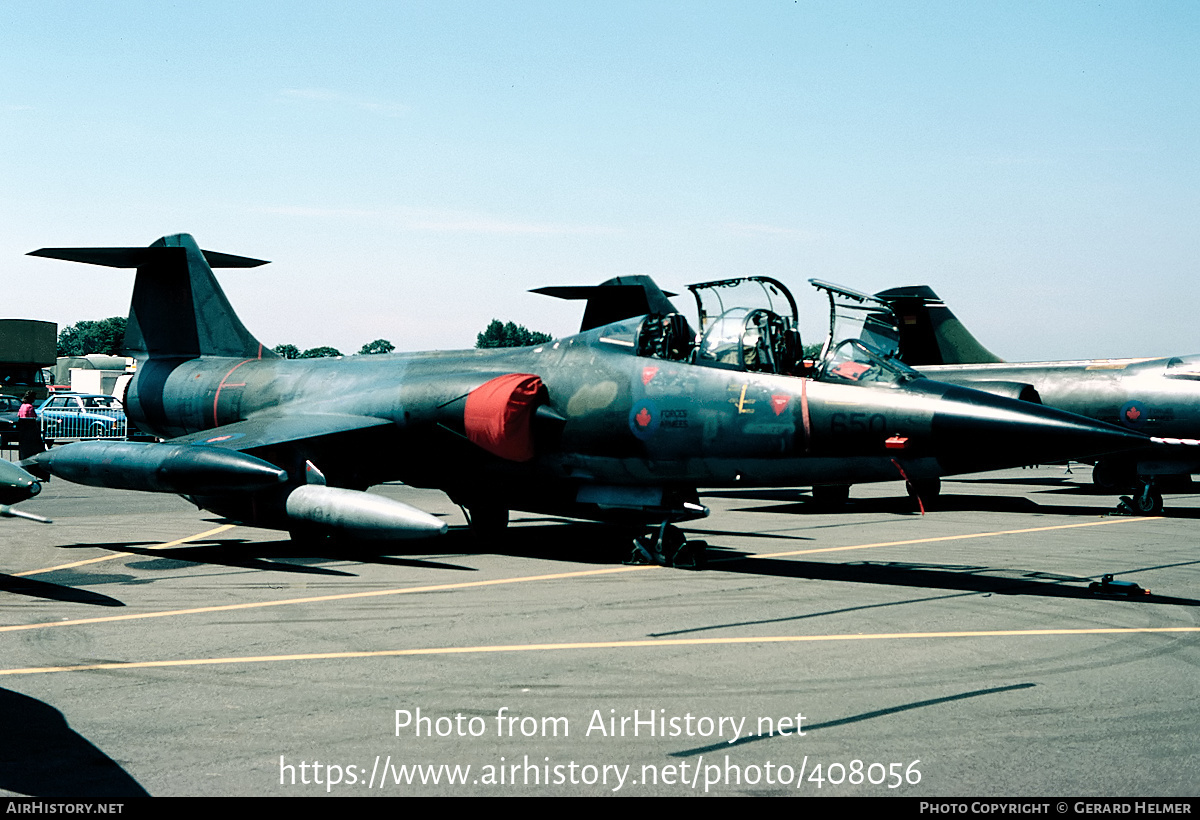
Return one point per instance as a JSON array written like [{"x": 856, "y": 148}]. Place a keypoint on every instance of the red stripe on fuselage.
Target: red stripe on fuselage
[
  {"x": 216, "y": 398},
  {"x": 804, "y": 413}
]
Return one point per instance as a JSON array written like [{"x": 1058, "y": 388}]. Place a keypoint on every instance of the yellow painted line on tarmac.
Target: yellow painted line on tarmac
[
  {"x": 167, "y": 545},
  {"x": 497, "y": 581},
  {"x": 344, "y": 596},
  {"x": 1131, "y": 519},
  {"x": 550, "y": 647}
]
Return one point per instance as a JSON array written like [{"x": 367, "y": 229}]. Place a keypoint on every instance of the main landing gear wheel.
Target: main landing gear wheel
[
  {"x": 924, "y": 491},
  {"x": 667, "y": 546},
  {"x": 1111, "y": 474},
  {"x": 831, "y": 496},
  {"x": 487, "y": 521}
]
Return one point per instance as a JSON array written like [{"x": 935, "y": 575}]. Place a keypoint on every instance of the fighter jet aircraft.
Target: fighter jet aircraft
[
  {"x": 619, "y": 423},
  {"x": 1158, "y": 397}
]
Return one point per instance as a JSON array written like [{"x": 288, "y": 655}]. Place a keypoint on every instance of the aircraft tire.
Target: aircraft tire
[
  {"x": 1109, "y": 474},
  {"x": 673, "y": 545},
  {"x": 487, "y": 520},
  {"x": 928, "y": 490},
  {"x": 831, "y": 496},
  {"x": 1149, "y": 502}
]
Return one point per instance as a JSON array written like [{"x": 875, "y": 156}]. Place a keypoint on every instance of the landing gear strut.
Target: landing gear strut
[
  {"x": 1148, "y": 501},
  {"x": 667, "y": 546}
]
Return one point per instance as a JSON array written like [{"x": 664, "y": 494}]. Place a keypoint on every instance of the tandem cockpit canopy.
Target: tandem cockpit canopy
[
  {"x": 751, "y": 324},
  {"x": 751, "y": 339},
  {"x": 857, "y": 315},
  {"x": 748, "y": 324}
]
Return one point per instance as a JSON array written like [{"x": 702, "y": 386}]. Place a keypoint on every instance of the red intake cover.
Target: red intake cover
[{"x": 498, "y": 413}]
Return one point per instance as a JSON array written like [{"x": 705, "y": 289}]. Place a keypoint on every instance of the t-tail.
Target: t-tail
[
  {"x": 929, "y": 333},
  {"x": 178, "y": 309},
  {"x": 621, "y": 297}
]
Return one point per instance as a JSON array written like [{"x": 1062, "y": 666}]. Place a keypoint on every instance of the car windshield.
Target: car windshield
[{"x": 83, "y": 404}]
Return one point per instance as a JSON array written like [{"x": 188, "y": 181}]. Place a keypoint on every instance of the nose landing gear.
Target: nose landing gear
[
  {"x": 1148, "y": 501},
  {"x": 667, "y": 546}
]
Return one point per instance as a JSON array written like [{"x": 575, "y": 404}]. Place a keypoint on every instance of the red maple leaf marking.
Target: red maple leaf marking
[
  {"x": 648, "y": 374},
  {"x": 1132, "y": 414},
  {"x": 643, "y": 417},
  {"x": 780, "y": 403}
]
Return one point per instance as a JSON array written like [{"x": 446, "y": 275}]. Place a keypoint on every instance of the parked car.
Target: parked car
[
  {"x": 82, "y": 415},
  {"x": 9, "y": 405}
]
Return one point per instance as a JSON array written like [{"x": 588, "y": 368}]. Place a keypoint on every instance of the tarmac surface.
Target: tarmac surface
[{"x": 149, "y": 648}]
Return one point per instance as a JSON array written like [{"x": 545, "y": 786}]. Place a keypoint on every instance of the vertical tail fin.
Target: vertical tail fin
[
  {"x": 929, "y": 332},
  {"x": 178, "y": 308}
]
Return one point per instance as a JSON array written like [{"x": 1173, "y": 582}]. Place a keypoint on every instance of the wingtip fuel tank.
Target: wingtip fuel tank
[{"x": 186, "y": 469}]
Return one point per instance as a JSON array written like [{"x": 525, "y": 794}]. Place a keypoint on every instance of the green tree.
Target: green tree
[
  {"x": 509, "y": 335},
  {"x": 105, "y": 336},
  {"x": 377, "y": 346},
  {"x": 320, "y": 353},
  {"x": 286, "y": 351}
]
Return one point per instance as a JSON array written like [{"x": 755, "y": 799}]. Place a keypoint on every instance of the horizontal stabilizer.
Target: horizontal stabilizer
[
  {"x": 137, "y": 257},
  {"x": 621, "y": 297},
  {"x": 178, "y": 310}
]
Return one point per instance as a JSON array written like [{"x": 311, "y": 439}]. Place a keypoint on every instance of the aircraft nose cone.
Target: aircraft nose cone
[{"x": 972, "y": 428}]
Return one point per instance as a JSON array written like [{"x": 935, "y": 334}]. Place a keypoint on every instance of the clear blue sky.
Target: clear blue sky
[{"x": 411, "y": 169}]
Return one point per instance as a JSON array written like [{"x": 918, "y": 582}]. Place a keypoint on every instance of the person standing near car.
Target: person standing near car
[
  {"x": 29, "y": 429},
  {"x": 26, "y": 411}
]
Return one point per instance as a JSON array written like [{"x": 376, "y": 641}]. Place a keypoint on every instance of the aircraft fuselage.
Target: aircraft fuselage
[{"x": 612, "y": 419}]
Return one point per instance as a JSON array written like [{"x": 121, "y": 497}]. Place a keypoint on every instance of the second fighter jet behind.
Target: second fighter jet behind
[{"x": 1158, "y": 397}]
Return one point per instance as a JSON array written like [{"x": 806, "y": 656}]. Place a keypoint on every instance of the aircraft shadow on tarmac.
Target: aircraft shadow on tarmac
[
  {"x": 42, "y": 756},
  {"x": 576, "y": 542},
  {"x": 989, "y": 585},
  {"x": 594, "y": 544},
  {"x": 795, "y": 503},
  {"x": 970, "y": 579},
  {"x": 54, "y": 592},
  {"x": 278, "y": 556},
  {"x": 829, "y": 724}
]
